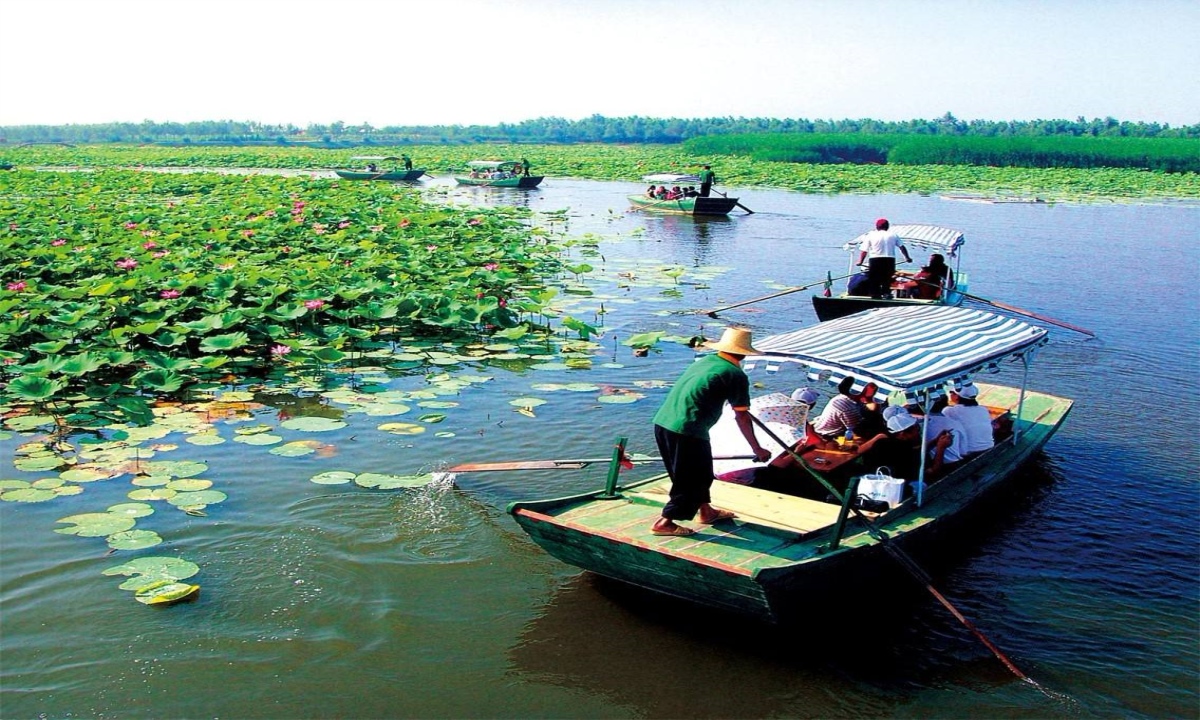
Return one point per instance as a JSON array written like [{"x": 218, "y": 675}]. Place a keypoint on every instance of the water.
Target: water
[{"x": 334, "y": 601}]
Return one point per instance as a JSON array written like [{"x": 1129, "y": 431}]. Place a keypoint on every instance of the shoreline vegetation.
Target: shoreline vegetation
[{"x": 747, "y": 164}]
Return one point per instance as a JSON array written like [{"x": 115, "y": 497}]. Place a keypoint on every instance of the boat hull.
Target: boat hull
[
  {"x": 777, "y": 552},
  {"x": 394, "y": 175},
  {"x": 521, "y": 181},
  {"x": 832, "y": 308},
  {"x": 685, "y": 206}
]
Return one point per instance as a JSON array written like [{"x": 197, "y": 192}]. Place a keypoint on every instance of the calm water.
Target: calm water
[{"x": 333, "y": 601}]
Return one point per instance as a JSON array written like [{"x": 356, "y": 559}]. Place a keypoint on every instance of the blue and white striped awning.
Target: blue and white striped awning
[
  {"x": 902, "y": 349},
  {"x": 933, "y": 238}
]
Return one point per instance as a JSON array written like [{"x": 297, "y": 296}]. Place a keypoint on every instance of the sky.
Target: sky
[{"x": 465, "y": 62}]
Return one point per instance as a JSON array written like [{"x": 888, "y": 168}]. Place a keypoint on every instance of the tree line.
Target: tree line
[{"x": 555, "y": 130}]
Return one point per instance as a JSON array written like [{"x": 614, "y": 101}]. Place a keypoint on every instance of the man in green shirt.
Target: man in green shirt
[
  {"x": 707, "y": 178},
  {"x": 681, "y": 428},
  {"x": 525, "y": 167}
]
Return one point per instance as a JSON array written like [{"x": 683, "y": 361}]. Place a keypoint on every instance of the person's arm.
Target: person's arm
[
  {"x": 742, "y": 417},
  {"x": 862, "y": 257},
  {"x": 907, "y": 257},
  {"x": 940, "y": 443}
]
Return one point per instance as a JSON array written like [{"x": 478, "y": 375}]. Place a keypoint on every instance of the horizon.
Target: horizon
[{"x": 484, "y": 62}]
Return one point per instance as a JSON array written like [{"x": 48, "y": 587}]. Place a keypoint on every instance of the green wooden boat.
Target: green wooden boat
[
  {"x": 497, "y": 173},
  {"x": 379, "y": 173},
  {"x": 917, "y": 237},
  {"x": 686, "y": 205},
  {"x": 782, "y": 548}
]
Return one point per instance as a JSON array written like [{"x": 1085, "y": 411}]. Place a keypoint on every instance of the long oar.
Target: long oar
[
  {"x": 1027, "y": 313},
  {"x": 656, "y": 203},
  {"x": 715, "y": 311},
  {"x": 577, "y": 464},
  {"x": 911, "y": 566},
  {"x": 738, "y": 204}
]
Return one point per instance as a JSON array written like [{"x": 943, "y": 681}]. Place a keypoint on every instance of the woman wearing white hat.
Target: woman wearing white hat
[
  {"x": 681, "y": 428},
  {"x": 974, "y": 418}
]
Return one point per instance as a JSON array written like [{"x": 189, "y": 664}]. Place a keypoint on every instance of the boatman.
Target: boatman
[
  {"x": 681, "y": 428},
  {"x": 878, "y": 249},
  {"x": 707, "y": 178},
  {"x": 525, "y": 167},
  {"x": 407, "y": 162}
]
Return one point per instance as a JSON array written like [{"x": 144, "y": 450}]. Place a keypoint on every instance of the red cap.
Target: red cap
[{"x": 881, "y": 224}]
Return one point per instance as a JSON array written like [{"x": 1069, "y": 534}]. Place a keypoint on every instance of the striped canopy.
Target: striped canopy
[
  {"x": 933, "y": 238},
  {"x": 904, "y": 349}
]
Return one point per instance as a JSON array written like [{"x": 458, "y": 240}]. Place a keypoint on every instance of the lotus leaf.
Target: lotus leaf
[
  {"x": 444, "y": 434},
  {"x": 65, "y": 490},
  {"x": 150, "y": 480},
  {"x": 402, "y": 428},
  {"x": 527, "y": 402},
  {"x": 313, "y": 424},
  {"x": 620, "y": 398},
  {"x": 432, "y": 417},
  {"x": 253, "y": 429},
  {"x": 147, "y": 570},
  {"x": 48, "y": 483},
  {"x": 14, "y": 485},
  {"x": 298, "y": 448},
  {"x": 205, "y": 439},
  {"x": 94, "y": 524},
  {"x": 176, "y": 468},
  {"x": 391, "y": 482},
  {"x": 437, "y": 404},
  {"x": 39, "y": 464},
  {"x": 199, "y": 497},
  {"x": 550, "y": 366},
  {"x": 29, "y": 495},
  {"x": 134, "y": 539},
  {"x": 258, "y": 439},
  {"x": 386, "y": 409},
  {"x": 184, "y": 485},
  {"x": 333, "y": 477},
  {"x": 236, "y": 396},
  {"x": 37, "y": 389},
  {"x": 152, "y": 494},
  {"x": 134, "y": 510}
]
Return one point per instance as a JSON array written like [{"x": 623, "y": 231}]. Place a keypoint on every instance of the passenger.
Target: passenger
[
  {"x": 806, "y": 395},
  {"x": 674, "y": 193},
  {"x": 661, "y": 193},
  {"x": 691, "y": 191},
  {"x": 859, "y": 285},
  {"x": 974, "y": 418},
  {"x": 372, "y": 167},
  {"x": 932, "y": 278},
  {"x": 841, "y": 413},
  {"x": 872, "y": 422},
  {"x": 898, "y": 449},
  {"x": 878, "y": 249},
  {"x": 956, "y": 452},
  {"x": 407, "y": 162},
  {"x": 650, "y": 191}
]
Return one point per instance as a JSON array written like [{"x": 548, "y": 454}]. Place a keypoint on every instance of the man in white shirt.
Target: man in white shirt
[
  {"x": 878, "y": 250},
  {"x": 975, "y": 418}
]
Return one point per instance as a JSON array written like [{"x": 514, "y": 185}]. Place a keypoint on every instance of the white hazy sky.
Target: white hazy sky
[{"x": 412, "y": 62}]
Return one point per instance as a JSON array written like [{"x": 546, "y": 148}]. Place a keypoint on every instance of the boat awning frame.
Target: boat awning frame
[
  {"x": 933, "y": 238},
  {"x": 670, "y": 178},
  {"x": 493, "y": 164},
  {"x": 911, "y": 350}
]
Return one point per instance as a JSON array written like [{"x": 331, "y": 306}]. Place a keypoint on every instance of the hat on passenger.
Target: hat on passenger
[
  {"x": 881, "y": 224},
  {"x": 967, "y": 391},
  {"x": 901, "y": 421},
  {"x": 735, "y": 340},
  {"x": 892, "y": 410},
  {"x": 807, "y": 395}
]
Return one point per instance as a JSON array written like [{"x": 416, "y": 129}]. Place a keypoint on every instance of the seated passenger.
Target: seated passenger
[
  {"x": 957, "y": 450},
  {"x": 674, "y": 193},
  {"x": 841, "y": 413},
  {"x": 859, "y": 285},
  {"x": 691, "y": 191},
  {"x": 661, "y": 193},
  {"x": 872, "y": 422},
  {"x": 899, "y": 449},
  {"x": 974, "y": 418},
  {"x": 932, "y": 278},
  {"x": 372, "y": 168},
  {"x": 650, "y": 191}
]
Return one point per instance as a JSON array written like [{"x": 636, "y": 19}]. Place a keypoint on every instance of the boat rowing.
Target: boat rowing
[{"x": 498, "y": 173}]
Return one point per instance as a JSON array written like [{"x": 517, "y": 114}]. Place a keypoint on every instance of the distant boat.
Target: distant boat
[
  {"x": 926, "y": 238},
  {"x": 381, "y": 173},
  {"x": 784, "y": 548},
  {"x": 685, "y": 205},
  {"x": 498, "y": 173}
]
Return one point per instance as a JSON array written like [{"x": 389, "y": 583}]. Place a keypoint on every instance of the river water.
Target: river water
[{"x": 340, "y": 601}]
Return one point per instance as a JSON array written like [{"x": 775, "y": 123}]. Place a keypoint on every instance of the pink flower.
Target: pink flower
[
  {"x": 225, "y": 266},
  {"x": 130, "y": 225},
  {"x": 298, "y": 205},
  {"x": 59, "y": 242},
  {"x": 299, "y": 219},
  {"x": 478, "y": 296},
  {"x": 280, "y": 350},
  {"x": 270, "y": 213},
  {"x": 13, "y": 227},
  {"x": 491, "y": 266},
  {"x": 208, "y": 246},
  {"x": 431, "y": 248},
  {"x": 286, "y": 249},
  {"x": 502, "y": 302},
  {"x": 161, "y": 254},
  {"x": 17, "y": 286},
  {"x": 319, "y": 228},
  {"x": 314, "y": 304},
  {"x": 247, "y": 233},
  {"x": 474, "y": 221},
  {"x": 343, "y": 225},
  {"x": 405, "y": 223},
  {"x": 127, "y": 264},
  {"x": 346, "y": 263},
  {"x": 149, "y": 245},
  {"x": 169, "y": 294}
]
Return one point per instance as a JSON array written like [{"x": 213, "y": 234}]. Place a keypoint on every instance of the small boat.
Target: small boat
[
  {"x": 374, "y": 172},
  {"x": 782, "y": 547},
  {"x": 685, "y": 205},
  {"x": 498, "y": 173},
  {"x": 917, "y": 238}
]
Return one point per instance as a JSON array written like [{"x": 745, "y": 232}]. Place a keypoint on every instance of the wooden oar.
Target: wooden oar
[
  {"x": 738, "y": 204},
  {"x": 1027, "y": 313},
  {"x": 713, "y": 313},
  {"x": 656, "y": 203},
  {"x": 562, "y": 464}
]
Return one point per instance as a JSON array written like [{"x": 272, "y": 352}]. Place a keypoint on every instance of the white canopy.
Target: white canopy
[
  {"x": 671, "y": 178},
  {"x": 903, "y": 349},
  {"x": 933, "y": 238}
]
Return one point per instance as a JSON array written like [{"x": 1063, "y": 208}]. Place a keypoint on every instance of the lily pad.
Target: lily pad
[
  {"x": 527, "y": 402},
  {"x": 184, "y": 485},
  {"x": 620, "y": 398},
  {"x": 39, "y": 464},
  {"x": 176, "y": 468},
  {"x": 298, "y": 448},
  {"x": 313, "y": 424},
  {"x": 437, "y": 404},
  {"x": 152, "y": 494},
  {"x": 204, "y": 439},
  {"x": 258, "y": 439},
  {"x": 95, "y": 524},
  {"x": 391, "y": 482},
  {"x": 133, "y": 509},
  {"x": 199, "y": 497},
  {"x": 147, "y": 571},
  {"x": 166, "y": 593},
  {"x": 402, "y": 428},
  {"x": 29, "y": 495},
  {"x": 333, "y": 477},
  {"x": 432, "y": 417},
  {"x": 134, "y": 539}
]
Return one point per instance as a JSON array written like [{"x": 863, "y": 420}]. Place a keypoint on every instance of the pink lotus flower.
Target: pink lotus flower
[
  {"x": 298, "y": 204},
  {"x": 169, "y": 294},
  {"x": 502, "y": 302},
  {"x": 299, "y": 219},
  {"x": 247, "y": 233},
  {"x": 17, "y": 286},
  {"x": 130, "y": 225},
  {"x": 491, "y": 266},
  {"x": 161, "y": 254},
  {"x": 59, "y": 242},
  {"x": 127, "y": 264},
  {"x": 474, "y": 221},
  {"x": 319, "y": 228},
  {"x": 149, "y": 245},
  {"x": 431, "y": 248},
  {"x": 405, "y": 223},
  {"x": 270, "y": 213},
  {"x": 343, "y": 225},
  {"x": 13, "y": 227},
  {"x": 280, "y": 350},
  {"x": 314, "y": 304}
]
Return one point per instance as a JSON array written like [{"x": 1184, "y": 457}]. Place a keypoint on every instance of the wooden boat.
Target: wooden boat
[
  {"x": 497, "y": 173},
  {"x": 394, "y": 174},
  {"x": 781, "y": 547},
  {"x": 919, "y": 239},
  {"x": 685, "y": 205}
]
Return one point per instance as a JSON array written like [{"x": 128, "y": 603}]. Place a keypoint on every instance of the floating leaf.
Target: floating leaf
[
  {"x": 402, "y": 428},
  {"x": 133, "y": 510},
  {"x": 95, "y": 524},
  {"x": 444, "y": 434},
  {"x": 151, "y": 494},
  {"x": 333, "y": 477},
  {"x": 391, "y": 482},
  {"x": 620, "y": 399},
  {"x": 200, "y": 497},
  {"x": 527, "y": 402},
  {"x": 134, "y": 539},
  {"x": 28, "y": 495},
  {"x": 188, "y": 485},
  {"x": 298, "y": 448},
  {"x": 386, "y": 409},
  {"x": 313, "y": 424},
  {"x": 437, "y": 404},
  {"x": 39, "y": 464},
  {"x": 432, "y": 417},
  {"x": 166, "y": 593},
  {"x": 205, "y": 439},
  {"x": 258, "y": 439}
]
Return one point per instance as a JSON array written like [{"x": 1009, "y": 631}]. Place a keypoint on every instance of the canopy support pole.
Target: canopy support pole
[
  {"x": 925, "y": 406},
  {"x": 1021, "y": 400}
]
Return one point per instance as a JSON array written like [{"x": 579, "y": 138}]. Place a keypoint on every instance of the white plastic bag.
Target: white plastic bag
[{"x": 881, "y": 486}]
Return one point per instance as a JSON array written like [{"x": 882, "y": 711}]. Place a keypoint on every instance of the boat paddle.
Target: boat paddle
[
  {"x": 715, "y": 311},
  {"x": 738, "y": 204},
  {"x": 1027, "y": 313},
  {"x": 905, "y": 561},
  {"x": 563, "y": 464}
]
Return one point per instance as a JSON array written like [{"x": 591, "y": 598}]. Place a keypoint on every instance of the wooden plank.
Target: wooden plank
[{"x": 773, "y": 509}]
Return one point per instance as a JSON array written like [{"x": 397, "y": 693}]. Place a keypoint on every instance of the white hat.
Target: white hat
[
  {"x": 807, "y": 395},
  {"x": 735, "y": 340},
  {"x": 891, "y": 410},
  {"x": 967, "y": 391},
  {"x": 899, "y": 422}
]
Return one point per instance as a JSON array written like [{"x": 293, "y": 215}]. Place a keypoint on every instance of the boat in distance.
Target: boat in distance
[
  {"x": 373, "y": 172},
  {"x": 783, "y": 547},
  {"x": 924, "y": 238},
  {"x": 696, "y": 205},
  {"x": 498, "y": 173}
]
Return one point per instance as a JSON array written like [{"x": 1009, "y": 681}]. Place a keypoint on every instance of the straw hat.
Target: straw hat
[{"x": 735, "y": 340}]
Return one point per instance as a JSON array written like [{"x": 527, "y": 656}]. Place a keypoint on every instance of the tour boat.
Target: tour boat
[
  {"x": 395, "y": 174},
  {"x": 498, "y": 173}
]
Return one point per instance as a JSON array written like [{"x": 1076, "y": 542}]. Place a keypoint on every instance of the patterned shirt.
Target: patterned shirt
[{"x": 841, "y": 414}]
